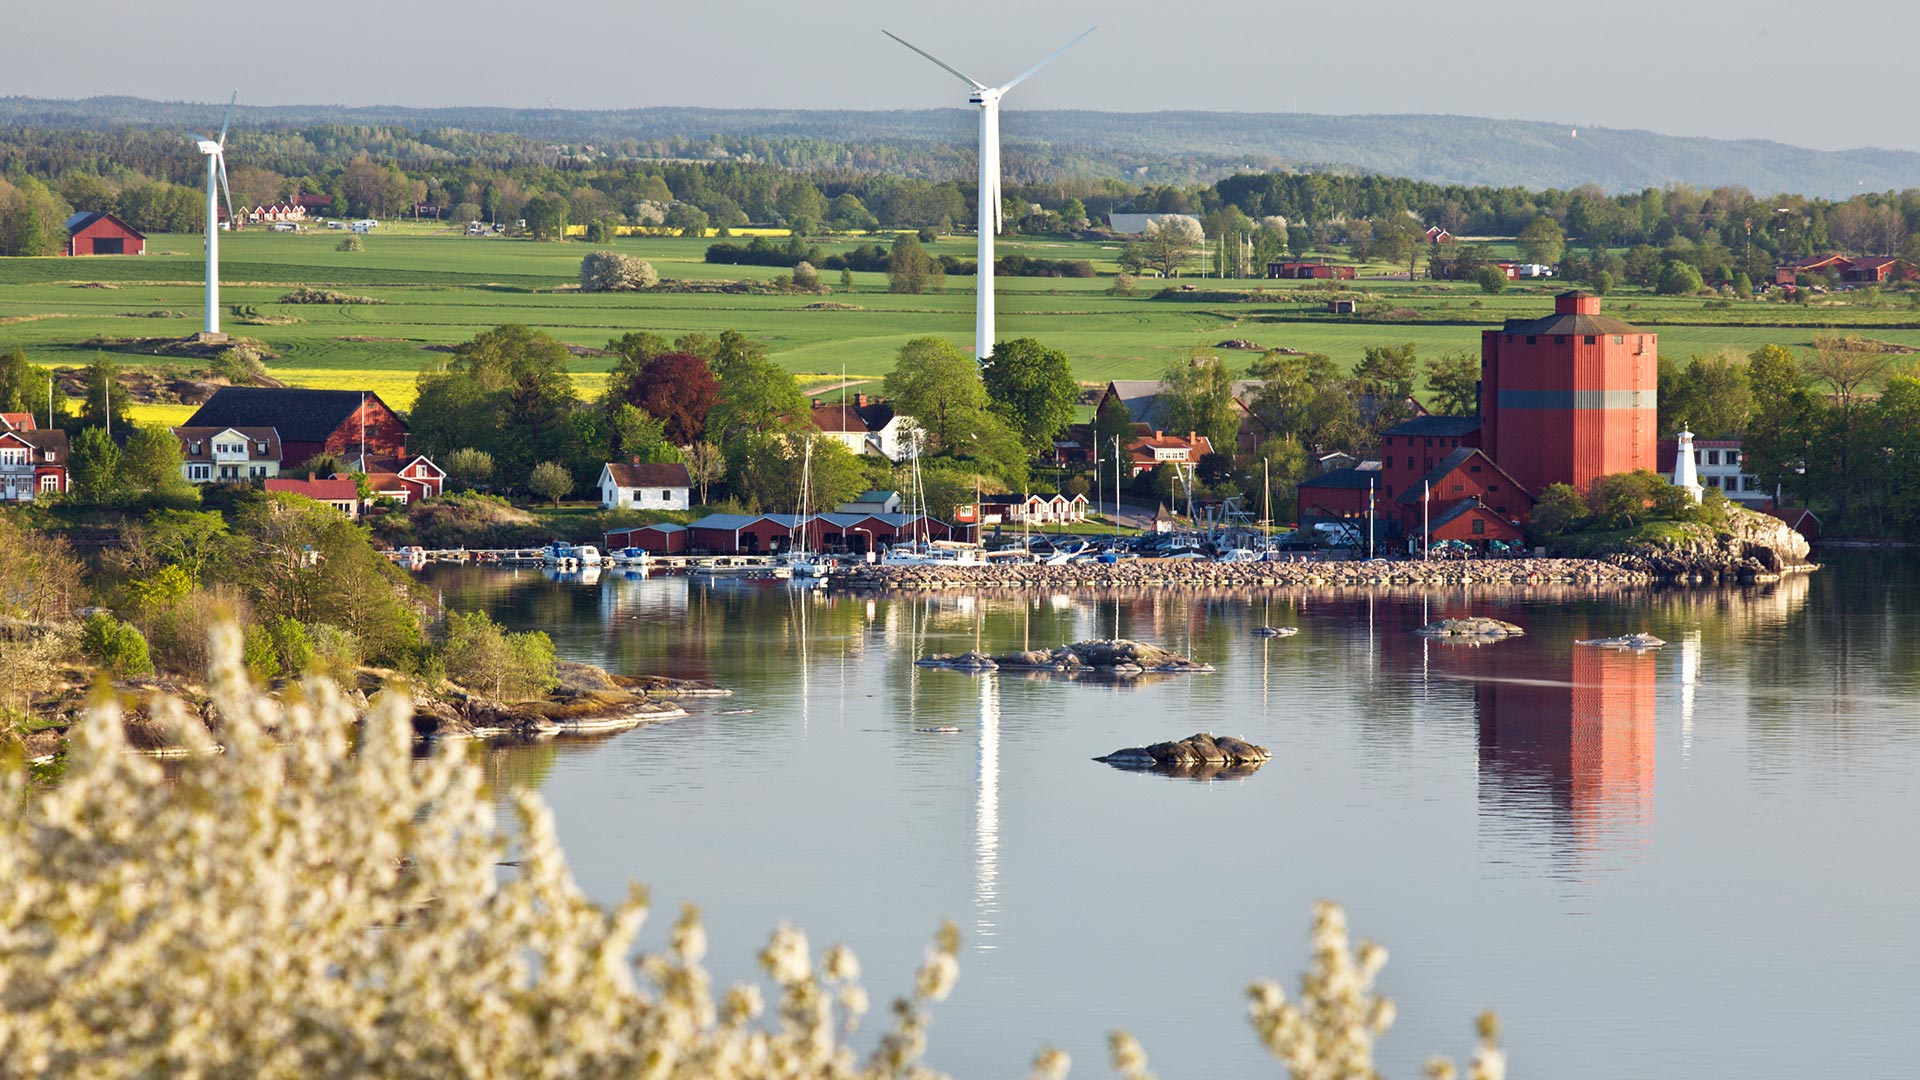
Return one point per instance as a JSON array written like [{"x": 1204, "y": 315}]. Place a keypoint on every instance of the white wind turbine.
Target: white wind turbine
[
  {"x": 987, "y": 98},
  {"x": 215, "y": 151}
]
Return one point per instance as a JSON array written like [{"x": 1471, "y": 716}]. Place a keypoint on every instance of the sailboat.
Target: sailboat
[{"x": 805, "y": 563}]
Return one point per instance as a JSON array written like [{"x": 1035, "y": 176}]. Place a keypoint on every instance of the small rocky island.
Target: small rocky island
[
  {"x": 1117, "y": 656},
  {"x": 1199, "y": 757},
  {"x": 1475, "y": 629},
  {"x": 588, "y": 701}
]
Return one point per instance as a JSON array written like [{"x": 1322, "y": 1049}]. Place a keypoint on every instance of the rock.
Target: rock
[
  {"x": 966, "y": 661},
  {"x": 1275, "y": 631},
  {"x": 1196, "y": 575},
  {"x": 1642, "y": 640},
  {"x": 1193, "y": 755},
  {"x": 1475, "y": 627}
]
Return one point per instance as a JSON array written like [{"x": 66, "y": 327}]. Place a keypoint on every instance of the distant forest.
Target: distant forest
[
  {"x": 150, "y": 176},
  {"x": 1056, "y": 145}
]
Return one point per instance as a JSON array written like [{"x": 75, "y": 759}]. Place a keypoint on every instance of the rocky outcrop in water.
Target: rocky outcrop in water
[
  {"x": 1475, "y": 628},
  {"x": 1117, "y": 656},
  {"x": 1752, "y": 548},
  {"x": 1178, "y": 574},
  {"x": 1642, "y": 640},
  {"x": 1201, "y": 756}
]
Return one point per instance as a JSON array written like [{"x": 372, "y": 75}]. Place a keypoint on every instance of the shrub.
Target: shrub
[
  {"x": 927, "y": 234},
  {"x": 1678, "y": 279},
  {"x": 114, "y": 645},
  {"x": 336, "y": 652},
  {"x": 292, "y": 645},
  {"x": 1602, "y": 283},
  {"x": 481, "y": 656},
  {"x": 550, "y": 480},
  {"x": 1123, "y": 285},
  {"x": 258, "y": 655},
  {"x": 1492, "y": 279},
  {"x": 805, "y": 276},
  {"x": 610, "y": 271},
  {"x": 305, "y": 295},
  {"x": 468, "y": 468},
  {"x": 351, "y": 242},
  {"x": 238, "y": 365}
]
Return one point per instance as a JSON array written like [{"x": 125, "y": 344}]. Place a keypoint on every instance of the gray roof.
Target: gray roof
[
  {"x": 1344, "y": 479},
  {"x": 1449, "y": 427},
  {"x": 1570, "y": 324},
  {"x": 299, "y": 415},
  {"x": 1131, "y": 224},
  {"x": 1142, "y": 396}
]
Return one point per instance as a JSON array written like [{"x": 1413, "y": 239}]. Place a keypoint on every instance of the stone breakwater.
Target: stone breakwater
[{"x": 1178, "y": 574}]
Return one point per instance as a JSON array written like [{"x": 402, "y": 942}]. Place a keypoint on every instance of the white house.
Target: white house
[
  {"x": 866, "y": 426},
  {"x": 1032, "y": 509},
  {"x": 1721, "y": 463},
  {"x": 228, "y": 454},
  {"x": 872, "y": 502},
  {"x": 1135, "y": 224},
  {"x": 663, "y": 486}
]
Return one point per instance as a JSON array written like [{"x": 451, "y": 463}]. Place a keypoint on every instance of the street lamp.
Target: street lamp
[{"x": 871, "y": 541}]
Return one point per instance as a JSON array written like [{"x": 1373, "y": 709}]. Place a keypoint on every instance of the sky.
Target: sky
[{"x": 1763, "y": 69}]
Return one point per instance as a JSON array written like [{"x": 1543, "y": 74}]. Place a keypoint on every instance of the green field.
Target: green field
[{"x": 440, "y": 289}]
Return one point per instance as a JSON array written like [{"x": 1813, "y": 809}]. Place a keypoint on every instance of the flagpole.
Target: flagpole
[{"x": 1426, "y": 538}]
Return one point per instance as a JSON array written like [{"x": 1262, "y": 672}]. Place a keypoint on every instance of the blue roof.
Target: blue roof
[{"x": 875, "y": 495}]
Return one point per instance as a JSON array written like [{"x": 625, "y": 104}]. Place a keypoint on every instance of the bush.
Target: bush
[
  {"x": 239, "y": 365},
  {"x": 1123, "y": 285},
  {"x": 336, "y": 652},
  {"x": 551, "y": 480},
  {"x": 927, "y": 234},
  {"x": 480, "y": 656},
  {"x": 305, "y": 295},
  {"x": 805, "y": 276},
  {"x": 1492, "y": 279},
  {"x": 114, "y": 645},
  {"x": 1602, "y": 283},
  {"x": 610, "y": 271},
  {"x": 1678, "y": 279},
  {"x": 258, "y": 656},
  {"x": 351, "y": 242}
]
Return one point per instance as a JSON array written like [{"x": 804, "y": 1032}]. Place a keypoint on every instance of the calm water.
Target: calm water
[{"x": 1695, "y": 862}]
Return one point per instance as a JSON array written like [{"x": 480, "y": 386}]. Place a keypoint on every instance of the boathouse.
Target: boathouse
[{"x": 659, "y": 538}]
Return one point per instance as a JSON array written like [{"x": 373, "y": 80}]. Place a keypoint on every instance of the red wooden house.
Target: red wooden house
[
  {"x": 32, "y": 463},
  {"x": 102, "y": 234}
]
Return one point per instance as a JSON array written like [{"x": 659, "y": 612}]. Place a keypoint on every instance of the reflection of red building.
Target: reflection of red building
[{"x": 1573, "y": 732}]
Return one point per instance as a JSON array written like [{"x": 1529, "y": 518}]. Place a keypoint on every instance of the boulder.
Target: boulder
[
  {"x": 1199, "y": 749},
  {"x": 966, "y": 661},
  {"x": 1476, "y": 627}
]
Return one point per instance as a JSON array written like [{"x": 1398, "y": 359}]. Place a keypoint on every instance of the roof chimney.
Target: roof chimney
[
  {"x": 859, "y": 401},
  {"x": 816, "y": 403},
  {"x": 1157, "y": 433},
  {"x": 636, "y": 459}
]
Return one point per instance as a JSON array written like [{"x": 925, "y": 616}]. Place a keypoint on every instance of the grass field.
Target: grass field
[{"x": 440, "y": 289}]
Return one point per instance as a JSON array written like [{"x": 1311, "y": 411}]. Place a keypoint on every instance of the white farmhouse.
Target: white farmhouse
[
  {"x": 866, "y": 426},
  {"x": 228, "y": 454},
  {"x": 664, "y": 486}
]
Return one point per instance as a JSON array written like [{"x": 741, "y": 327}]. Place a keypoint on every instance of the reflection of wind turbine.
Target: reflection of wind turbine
[
  {"x": 986, "y": 823},
  {"x": 987, "y": 98},
  {"x": 215, "y": 151},
  {"x": 1689, "y": 677}
]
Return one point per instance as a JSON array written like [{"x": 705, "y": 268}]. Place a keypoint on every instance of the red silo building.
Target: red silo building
[{"x": 1568, "y": 398}]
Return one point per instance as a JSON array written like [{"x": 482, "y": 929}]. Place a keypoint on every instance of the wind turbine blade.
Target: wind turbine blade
[
  {"x": 964, "y": 77},
  {"x": 232, "y": 222},
  {"x": 198, "y": 138},
  {"x": 1018, "y": 79},
  {"x": 229, "y": 118}
]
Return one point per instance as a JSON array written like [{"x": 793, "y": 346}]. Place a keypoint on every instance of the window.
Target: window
[
  {"x": 1388, "y": 441},
  {"x": 193, "y": 447},
  {"x": 1530, "y": 339},
  {"x": 260, "y": 448},
  {"x": 1591, "y": 340},
  {"x": 1559, "y": 339},
  {"x": 1713, "y": 481},
  {"x": 1457, "y": 489},
  {"x": 49, "y": 482},
  {"x": 1713, "y": 457},
  {"x": 1501, "y": 510},
  {"x": 1733, "y": 457},
  {"x": 1473, "y": 468},
  {"x": 1491, "y": 488},
  {"x": 1619, "y": 339},
  {"x": 1389, "y": 491},
  {"x": 13, "y": 457},
  {"x": 1479, "y": 527},
  {"x": 666, "y": 496}
]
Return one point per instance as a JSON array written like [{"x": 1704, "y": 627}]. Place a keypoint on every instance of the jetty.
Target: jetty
[{"x": 1194, "y": 574}]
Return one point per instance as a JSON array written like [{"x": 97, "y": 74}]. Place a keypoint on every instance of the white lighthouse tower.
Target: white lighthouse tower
[{"x": 1686, "y": 472}]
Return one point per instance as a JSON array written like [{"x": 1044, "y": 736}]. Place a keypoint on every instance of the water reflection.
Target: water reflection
[{"x": 986, "y": 816}]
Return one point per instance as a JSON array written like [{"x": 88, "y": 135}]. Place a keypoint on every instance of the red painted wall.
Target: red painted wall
[
  {"x": 1575, "y": 442},
  {"x": 85, "y": 241},
  {"x": 386, "y": 433}
]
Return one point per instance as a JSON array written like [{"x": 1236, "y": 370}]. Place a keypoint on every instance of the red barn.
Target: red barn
[
  {"x": 1568, "y": 398},
  {"x": 102, "y": 234},
  {"x": 1309, "y": 270},
  {"x": 338, "y": 422},
  {"x": 659, "y": 538}
]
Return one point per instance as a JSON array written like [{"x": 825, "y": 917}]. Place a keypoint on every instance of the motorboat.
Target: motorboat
[{"x": 587, "y": 554}]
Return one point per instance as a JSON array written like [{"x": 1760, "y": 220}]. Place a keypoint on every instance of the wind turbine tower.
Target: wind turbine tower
[
  {"x": 215, "y": 151},
  {"x": 987, "y": 100}
]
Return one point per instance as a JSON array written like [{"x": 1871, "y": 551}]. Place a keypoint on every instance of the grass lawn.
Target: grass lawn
[{"x": 438, "y": 288}]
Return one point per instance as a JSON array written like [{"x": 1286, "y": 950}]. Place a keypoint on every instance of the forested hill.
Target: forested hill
[{"x": 1164, "y": 147}]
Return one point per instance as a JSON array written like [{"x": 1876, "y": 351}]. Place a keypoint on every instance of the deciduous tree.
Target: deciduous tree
[{"x": 1032, "y": 388}]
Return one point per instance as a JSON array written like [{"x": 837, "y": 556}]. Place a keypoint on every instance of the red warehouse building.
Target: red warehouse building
[
  {"x": 337, "y": 422},
  {"x": 102, "y": 234},
  {"x": 1568, "y": 398}
]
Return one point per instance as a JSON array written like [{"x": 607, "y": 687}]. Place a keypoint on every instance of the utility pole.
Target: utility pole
[{"x": 1370, "y": 517}]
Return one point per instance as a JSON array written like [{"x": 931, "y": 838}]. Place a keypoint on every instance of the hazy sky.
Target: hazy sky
[{"x": 1828, "y": 76}]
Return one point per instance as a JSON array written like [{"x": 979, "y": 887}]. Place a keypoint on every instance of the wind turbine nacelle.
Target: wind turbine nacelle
[
  {"x": 983, "y": 98},
  {"x": 208, "y": 147}
]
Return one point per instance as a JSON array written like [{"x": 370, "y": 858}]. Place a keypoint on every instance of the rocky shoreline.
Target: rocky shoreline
[{"x": 1182, "y": 574}]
